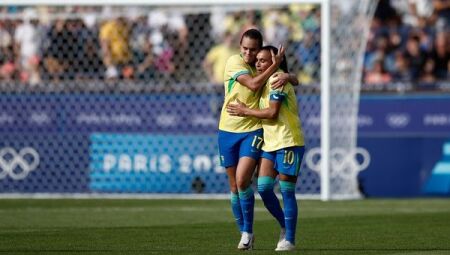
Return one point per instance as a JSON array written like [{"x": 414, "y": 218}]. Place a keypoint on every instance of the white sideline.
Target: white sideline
[{"x": 216, "y": 196}]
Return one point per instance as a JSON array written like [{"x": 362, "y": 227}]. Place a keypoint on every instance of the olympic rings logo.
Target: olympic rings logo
[
  {"x": 17, "y": 165},
  {"x": 398, "y": 120},
  {"x": 343, "y": 163}
]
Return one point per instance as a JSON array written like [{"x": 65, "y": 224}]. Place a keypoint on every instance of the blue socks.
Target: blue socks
[
  {"x": 247, "y": 200},
  {"x": 265, "y": 189},
  {"x": 237, "y": 211},
  {"x": 290, "y": 209},
  {"x": 243, "y": 206}
]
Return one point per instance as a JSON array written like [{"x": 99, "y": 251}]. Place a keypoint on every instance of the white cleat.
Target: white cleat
[
  {"x": 246, "y": 242},
  {"x": 285, "y": 246},
  {"x": 282, "y": 237}
]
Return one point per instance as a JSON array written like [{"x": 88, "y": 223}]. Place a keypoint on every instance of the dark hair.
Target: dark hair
[
  {"x": 283, "y": 64},
  {"x": 253, "y": 34}
]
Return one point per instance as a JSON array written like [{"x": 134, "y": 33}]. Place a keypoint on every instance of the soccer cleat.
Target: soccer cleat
[
  {"x": 282, "y": 237},
  {"x": 285, "y": 246},
  {"x": 246, "y": 242}
]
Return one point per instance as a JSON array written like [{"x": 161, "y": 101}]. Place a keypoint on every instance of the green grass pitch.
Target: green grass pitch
[{"x": 104, "y": 226}]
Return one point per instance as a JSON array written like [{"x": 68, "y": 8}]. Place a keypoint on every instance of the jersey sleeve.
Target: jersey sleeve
[
  {"x": 235, "y": 67},
  {"x": 275, "y": 94}
]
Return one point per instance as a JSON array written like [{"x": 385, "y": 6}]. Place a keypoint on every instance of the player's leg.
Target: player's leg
[
  {"x": 289, "y": 161},
  {"x": 266, "y": 181},
  {"x": 229, "y": 157},
  {"x": 287, "y": 187},
  {"x": 234, "y": 198},
  {"x": 249, "y": 154},
  {"x": 244, "y": 173}
]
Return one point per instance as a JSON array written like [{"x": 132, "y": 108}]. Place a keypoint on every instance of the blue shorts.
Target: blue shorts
[
  {"x": 287, "y": 160},
  {"x": 233, "y": 146}
]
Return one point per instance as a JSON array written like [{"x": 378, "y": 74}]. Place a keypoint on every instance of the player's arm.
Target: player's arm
[
  {"x": 281, "y": 79},
  {"x": 255, "y": 83},
  {"x": 241, "y": 110}
]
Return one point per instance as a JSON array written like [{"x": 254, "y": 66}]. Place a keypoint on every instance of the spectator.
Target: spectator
[
  {"x": 27, "y": 44},
  {"x": 114, "y": 40},
  {"x": 408, "y": 37},
  {"x": 441, "y": 55},
  {"x": 239, "y": 22},
  {"x": 61, "y": 52},
  {"x": 415, "y": 55},
  {"x": 5, "y": 39},
  {"x": 413, "y": 11},
  {"x": 89, "y": 60},
  {"x": 171, "y": 23},
  {"x": 384, "y": 10},
  {"x": 395, "y": 39},
  {"x": 169, "y": 39},
  {"x": 377, "y": 75},
  {"x": 276, "y": 27},
  {"x": 143, "y": 59},
  {"x": 176, "y": 33},
  {"x": 427, "y": 75},
  {"x": 308, "y": 55},
  {"x": 216, "y": 58},
  {"x": 303, "y": 17},
  {"x": 401, "y": 71},
  {"x": 216, "y": 20},
  {"x": 163, "y": 53},
  {"x": 442, "y": 14},
  {"x": 7, "y": 64},
  {"x": 380, "y": 53}
]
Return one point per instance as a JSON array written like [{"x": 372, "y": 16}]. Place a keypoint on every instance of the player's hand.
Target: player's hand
[
  {"x": 278, "y": 58},
  {"x": 237, "y": 108},
  {"x": 279, "y": 80}
]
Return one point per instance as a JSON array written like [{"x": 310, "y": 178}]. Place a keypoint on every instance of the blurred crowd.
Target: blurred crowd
[
  {"x": 69, "y": 43},
  {"x": 408, "y": 43}
]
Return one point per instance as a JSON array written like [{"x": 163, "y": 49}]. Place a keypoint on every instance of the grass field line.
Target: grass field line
[
  {"x": 123, "y": 209},
  {"x": 306, "y": 210}
]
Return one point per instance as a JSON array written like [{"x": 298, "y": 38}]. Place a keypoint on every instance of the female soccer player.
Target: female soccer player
[
  {"x": 240, "y": 138},
  {"x": 283, "y": 147}
]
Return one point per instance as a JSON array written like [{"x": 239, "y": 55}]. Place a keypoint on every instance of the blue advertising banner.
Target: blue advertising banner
[
  {"x": 26, "y": 113},
  {"x": 109, "y": 113},
  {"x": 32, "y": 163},
  {"x": 439, "y": 181},
  {"x": 404, "y": 115},
  {"x": 198, "y": 114},
  {"x": 399, "y": 166},
  {"x": 156, "y": 163}
]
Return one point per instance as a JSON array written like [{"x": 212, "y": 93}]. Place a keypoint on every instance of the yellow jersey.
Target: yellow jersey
[
  {"x": 118, "y": 36},
  {"x": 218, "y": 56},
  {"x": 235, "y": 67},
  {"x": 286, "y": 130}
]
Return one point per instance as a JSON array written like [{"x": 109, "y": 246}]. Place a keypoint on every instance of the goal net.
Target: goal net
[{"x": 125, "y": 99}]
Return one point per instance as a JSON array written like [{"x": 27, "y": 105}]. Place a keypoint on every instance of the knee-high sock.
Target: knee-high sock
[
  {"x": 237, "y": 211},
  {"x": 290, "y": 209},
  {"x": 265, "y": 189},
  {"x": 247, "y": 199}
]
